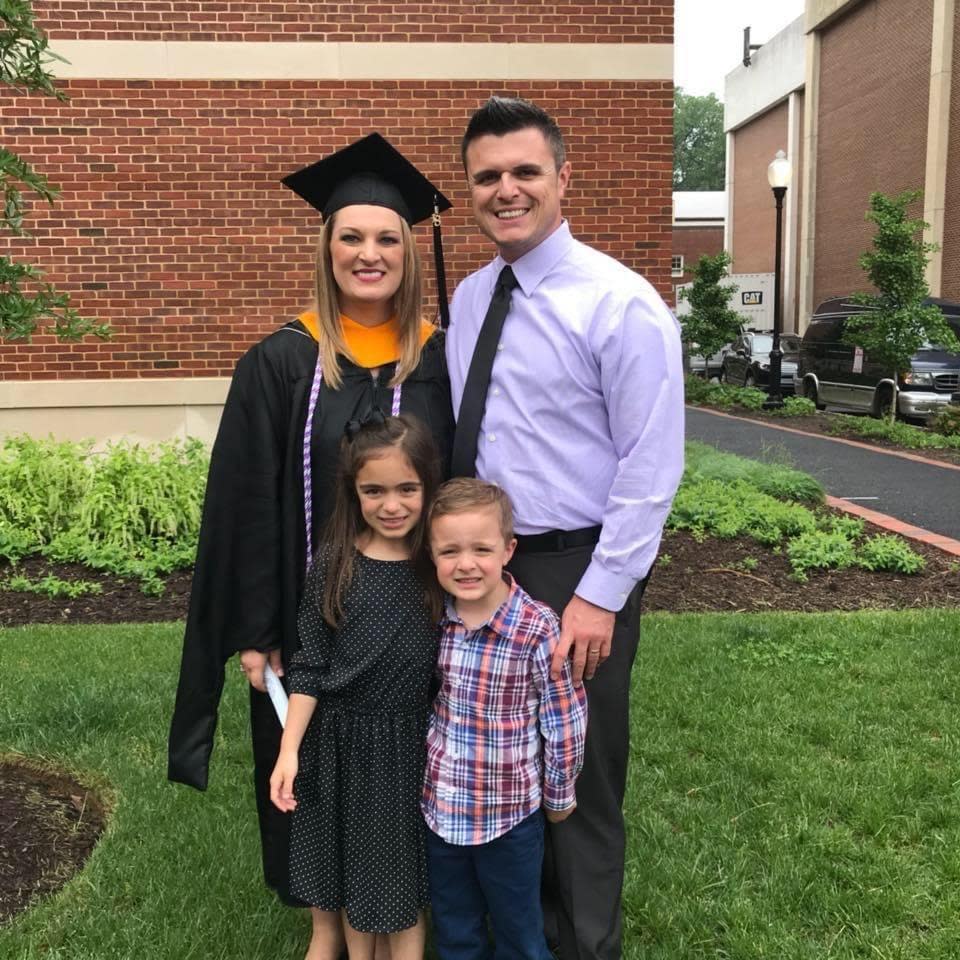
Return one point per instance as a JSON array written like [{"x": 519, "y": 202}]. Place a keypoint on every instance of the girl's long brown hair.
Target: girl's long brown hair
[{"x": 346, "y": 524}]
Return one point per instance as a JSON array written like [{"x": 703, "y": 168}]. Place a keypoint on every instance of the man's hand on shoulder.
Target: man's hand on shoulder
[{"x": 588, "y": 631}]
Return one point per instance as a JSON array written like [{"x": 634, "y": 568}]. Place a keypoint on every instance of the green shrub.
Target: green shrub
[
  {"x": 776, "y": 479},
  {"x": 947, "y": 421},
  {"x": 750, "y": 397},
  {"x": 796, "y": 407},
  {"x": 133, "y": 511},
  {"x": 724, "y": 509},
  {"x": 820, "y": 549},
  {"x": 887, "y": 552},
  {"x": 51, "y": 586},
  {"x": 902, "y": 434},
  {"x": 842, "y": 523}
]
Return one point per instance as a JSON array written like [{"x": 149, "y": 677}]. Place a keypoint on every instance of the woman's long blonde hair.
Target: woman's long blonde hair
[{"x": 406, "y": 302}]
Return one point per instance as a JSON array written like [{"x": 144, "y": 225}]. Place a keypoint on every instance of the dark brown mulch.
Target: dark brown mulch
[
  {"x": 818, "y": 423},
  {"x": 49, "y": 823},
  {"x": 121, "y": 601},
  {"x": 698, "y": 577},
  {"x": 713, "y": 576}
]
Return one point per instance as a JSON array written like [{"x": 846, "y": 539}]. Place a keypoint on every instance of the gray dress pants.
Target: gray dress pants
[{"x": 584, "y": 855}]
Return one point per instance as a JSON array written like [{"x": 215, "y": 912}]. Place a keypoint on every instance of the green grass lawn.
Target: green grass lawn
[{"x": 793, "y": 794}]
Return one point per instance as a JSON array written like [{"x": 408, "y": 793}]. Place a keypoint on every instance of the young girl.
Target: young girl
[{"x": 352, "y": 755}]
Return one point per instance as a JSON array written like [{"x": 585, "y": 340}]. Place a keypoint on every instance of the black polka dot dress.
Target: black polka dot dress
[{"x": 357, "y": 835}]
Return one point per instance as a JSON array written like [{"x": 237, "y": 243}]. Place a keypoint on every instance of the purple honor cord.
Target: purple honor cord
[{"x": 307, "y": 452}]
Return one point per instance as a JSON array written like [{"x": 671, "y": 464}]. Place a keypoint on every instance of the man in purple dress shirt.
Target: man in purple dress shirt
[{"x": 583, "y": 427}]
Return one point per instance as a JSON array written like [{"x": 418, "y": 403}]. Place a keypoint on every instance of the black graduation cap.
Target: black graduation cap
[{"x": 372, "y": 171}]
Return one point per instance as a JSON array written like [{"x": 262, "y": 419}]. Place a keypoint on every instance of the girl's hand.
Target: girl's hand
[
  {"x": 281, "y": 782},
  {"x": 252, "y": 663}
]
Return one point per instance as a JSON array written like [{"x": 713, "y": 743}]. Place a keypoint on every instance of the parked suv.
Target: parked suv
[
  {"x": 832, "y": 371},
  {"x": 747, "y": 363}
]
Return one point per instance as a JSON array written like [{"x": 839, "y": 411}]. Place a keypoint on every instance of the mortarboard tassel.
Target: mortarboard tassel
[{"x": 439, "y": 268}]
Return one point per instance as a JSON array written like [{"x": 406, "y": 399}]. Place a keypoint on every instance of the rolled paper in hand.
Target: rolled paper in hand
[{"x": 278, "y": 696}]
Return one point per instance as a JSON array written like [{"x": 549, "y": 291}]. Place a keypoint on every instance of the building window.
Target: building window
[{"x": 676, "y": 265}]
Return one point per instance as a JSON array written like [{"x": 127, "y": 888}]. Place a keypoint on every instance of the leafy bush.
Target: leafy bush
[
  {"x": 842, "y": 523},
  {"x": 887, "y": 552},
  {"x": 726, "y": 496},
  {"x": 750, "y": 397},
  {"x": 796, "y": 407},
  {"x": 133, "y": 511},
  {"x": 722, "y": 509},
  {"x": 775, "y": 479},
  {"x": 947, "y": 421},
  {"x": 820, "y": 549},
  {"x": 902, "y": 434},
  {"x": 51, "y": 586},
  {"x": 724, "y": 395}
]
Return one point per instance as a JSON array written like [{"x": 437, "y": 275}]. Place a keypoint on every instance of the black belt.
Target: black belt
[{"x": 553, "y": 541}]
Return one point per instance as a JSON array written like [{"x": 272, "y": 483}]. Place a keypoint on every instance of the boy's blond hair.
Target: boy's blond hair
[{"x": 467, "y": 493}]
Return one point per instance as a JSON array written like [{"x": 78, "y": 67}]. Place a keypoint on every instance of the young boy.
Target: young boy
[{"x": 504, "y": 739}]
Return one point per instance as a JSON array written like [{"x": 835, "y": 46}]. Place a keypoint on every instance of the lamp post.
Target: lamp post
[{"x": 778, "y": 174}]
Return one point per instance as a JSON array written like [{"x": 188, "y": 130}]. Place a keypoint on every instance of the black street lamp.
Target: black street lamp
[{"x": 778, "y": 174}]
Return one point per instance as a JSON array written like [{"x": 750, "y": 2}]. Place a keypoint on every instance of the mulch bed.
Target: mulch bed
[
  {"x": 49, "y": 823},
  {"x": 698, "y": 577},
  {"x": 818, "y": 423},
  {"x": 712, "y": 576}
]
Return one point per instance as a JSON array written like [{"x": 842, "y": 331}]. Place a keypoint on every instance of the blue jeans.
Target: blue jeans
[{"x": 499, "y": 879}]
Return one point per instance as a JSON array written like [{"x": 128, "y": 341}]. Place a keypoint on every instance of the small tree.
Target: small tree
[
  {"x": 898, "y": 321},
  {"x": 710, "y": 323},
  {"x": 25, "y": 301}
]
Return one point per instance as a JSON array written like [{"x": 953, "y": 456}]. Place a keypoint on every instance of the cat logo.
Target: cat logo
[{"x": 751, "y": 298}]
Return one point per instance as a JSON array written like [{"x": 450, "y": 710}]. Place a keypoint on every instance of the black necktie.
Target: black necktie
[{"x": 473, "y": 402}]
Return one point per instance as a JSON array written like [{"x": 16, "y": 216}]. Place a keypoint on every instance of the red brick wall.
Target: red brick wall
[
  {"x": 173, "y": 226},
  {"x": 754, "y": 210},
  {"x": 872, "y": 135},
  {"x": 950, "y": 278},
  {"x": 427, "y": 21},
  {"x": 692, "y": 243}
]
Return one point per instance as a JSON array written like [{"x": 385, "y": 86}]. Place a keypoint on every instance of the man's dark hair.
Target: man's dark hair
[{"x": 501, "y": 115}]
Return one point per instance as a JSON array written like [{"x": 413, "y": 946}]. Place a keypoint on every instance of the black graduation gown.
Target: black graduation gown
[{"x": 250, "y": 569}]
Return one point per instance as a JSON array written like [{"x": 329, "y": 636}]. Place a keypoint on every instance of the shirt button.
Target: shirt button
[
  {"x": 491, "y": 437},
  {"x": 499, "y": 346},
  {"x": 496, "y": 391}
]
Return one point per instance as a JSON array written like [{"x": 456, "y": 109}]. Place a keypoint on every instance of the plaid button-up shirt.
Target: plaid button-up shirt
[{"x": 503, "y": 737}]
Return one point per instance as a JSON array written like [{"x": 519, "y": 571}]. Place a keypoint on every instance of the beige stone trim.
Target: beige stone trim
[
  {"x": 790, "y": 252},
  {"x": 811, "y": 122},
  {"x": 938, "y": 136},
  {"x": 728, "y": 223},
  {"x": 201, "y": 60},
  {"x": 820, "y": 12},
  {"x": 142, "y": 411},
  {"x": 172, "y": 391}
]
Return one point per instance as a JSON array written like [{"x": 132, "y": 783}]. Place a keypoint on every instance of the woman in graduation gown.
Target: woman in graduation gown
[{"x": 364, "y": 347}]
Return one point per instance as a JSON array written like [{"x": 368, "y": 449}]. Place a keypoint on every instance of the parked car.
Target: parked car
[
  {"x": 748, "y": 362},
  {"x": 837, "y": 373},
  {"x": 709, "y": 367}
]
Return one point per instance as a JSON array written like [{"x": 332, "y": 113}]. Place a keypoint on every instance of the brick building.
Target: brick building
[
  {"x": 863, "y": 97},
  {"x": 698, "y": 225},
  {"x": 174, "y": 228}
]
